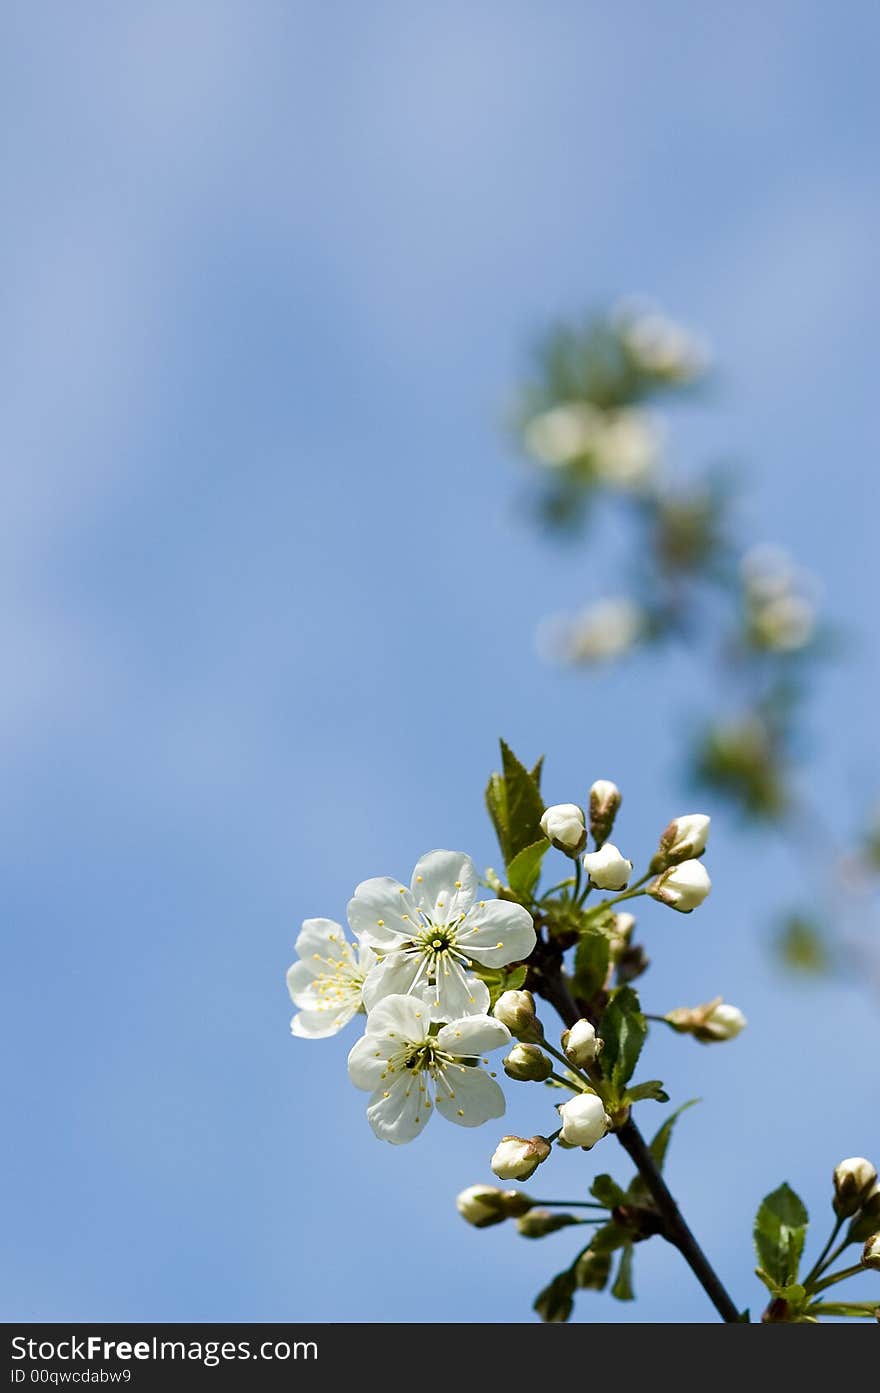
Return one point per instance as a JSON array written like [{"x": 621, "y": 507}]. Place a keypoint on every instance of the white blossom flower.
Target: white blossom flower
[
  {"x": 564, "y": 825},
  {"x": 581, "y": 1044},
  {"x": 563, "y": 433},
  {"x": 432, "y": 933},
  {"x": 626, "y": 448},
  {"x": 327, "y": 981},
  {"x": 411, "y": 1066},
  {"x": 517, "y": 1158},
  {"x": 607, "y": 868},
  {"x": 584, "y": 1120},
  {"x": 484, "y": 1205},
  {"x": 853, "y": 1180},
  {"x": 713, "y": 1022},
  {"x": 685, "y": 837},
  {"x": 601, "y": 633},
  {"x": 682, "y": 887},
  {"x": 660, "y": 346}
]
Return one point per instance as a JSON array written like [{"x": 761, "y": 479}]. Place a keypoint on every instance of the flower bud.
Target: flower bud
[
  {"x": 592, "y": 1270},
  {"x": 685, "y": 837},
  {"x": 516, "y": 1010},
  {"x": 484, "y": 1205},
  {"x": 584, "y": 1120},
  {"x": 621, "y": 933},
  {"x": 564, "y": 825},
  {"x": 605, "y": 799},
  {"x": 607, "y": 869},
  {"x": 714, "y": 1021},
  {"x": 528, "y": 1063},
  {"x": 539, "y": 1222},
  {"x": 516, "y": 1158},
  {"x": 580, "y": 1044},
  {"x": 853, "y": 1180},
  {"x": 870, "y": 1252},
  {"x": 682, "y": 887},
  {"x": 867, "y": 1220}
]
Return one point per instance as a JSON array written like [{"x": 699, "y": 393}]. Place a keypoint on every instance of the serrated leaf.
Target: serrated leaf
[
  {"x": 624, "y": 1030},
  {"x": 623, "y": 1287},
  {"x": 524, "y": 870},
  {"x": 591, "y": 962},
  {"x": 537, "y": 772},
  {"x": 554, "y": 1303},
  {"x": 607, "y": 1191},
  {"x": 524, "y": 804},
  {"x": 653, "y": 1088},
  {"x": 780, "y": 1232}
]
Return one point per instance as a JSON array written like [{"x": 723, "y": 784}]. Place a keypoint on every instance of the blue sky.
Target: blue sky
[{"x": 271, "y": 271}]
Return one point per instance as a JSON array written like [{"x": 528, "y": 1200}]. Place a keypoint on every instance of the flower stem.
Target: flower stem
[
  {"x": 824, "y": 1259},
  {"x": 570, "y": 1204},
  {"x": 676, "y": 1230},
  {"x": 839, "y": 1277}
]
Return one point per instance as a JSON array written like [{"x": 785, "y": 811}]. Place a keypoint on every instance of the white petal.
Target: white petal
[
  {"x": 399, "y": 1018},
  {"x": 444, "y": 885},
  {"x": 300, "y": 982},
  {"x": 473, "y": 1035},
  {"x": 368, "y": 1061},
  {"x": 323, "y": 937},
  {"x": 476, "y": 1098},
  {"x": 497, "y": 932},
  {"x": 317, "y": 1025},
  {"x": 383, "y": 912},
  {"x": 398, "y": 1113},
  {"x": 393, "y": 976},
  {"x": 455, "y": 993}
]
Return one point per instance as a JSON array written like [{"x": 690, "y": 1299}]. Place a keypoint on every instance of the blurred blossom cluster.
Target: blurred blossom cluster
[{"x": 589, "y": 423}]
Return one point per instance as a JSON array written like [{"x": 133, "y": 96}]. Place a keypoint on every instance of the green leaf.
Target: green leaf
[
  {"x": 607, "y": 1191},
  {"x": 591, "y": 963},
  {"x": 524, "y": 804},
  {"x": 660, "y": 1145},
  {"x": 555, "y": 1302},
  {"x": 623, "y": 1287},
  {"x": 780, "y": 1232},
  {"x": 501, "y": 979},
  {"x": 525, "y": 868},
  {"x": 536, "y": 773},
  {"x": 496, "y": 803},
  {"x": 653, "y": 1088},
  {"x": 624, "y": 1030}
]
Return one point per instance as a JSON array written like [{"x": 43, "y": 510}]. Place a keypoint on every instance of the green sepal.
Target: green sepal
[
  {"x": 653, "y": 1088},
  {"x": 554, "y": 1304},
  {"x": 607, "y": 1191},
  {"x": 623, "y": 1287}
]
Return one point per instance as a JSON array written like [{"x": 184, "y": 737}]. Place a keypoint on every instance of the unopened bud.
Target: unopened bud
[
  {"x": 539, "y": 1222},
  {"x": 580, "y": 1044},
  {"x": 867, "y": 1220},
  {"x": 605, "y": 799},
  {"x": 566, "y": 828},
  {"x": 528, "y": 1063},
  {"x": 584, "y": 1120},
  {"x": 714, "y": 1021},
  {"x": 682, "y": 887},
  {"x": 684, "y": 838},
  {"x": 592, "y": 1270},
  {"x": 870, "y": 1252},
  {"x": 853, "y": 1180},
  {"x": 516, "y": 1010},
  {"x": 484, "y": 1205},
  {"x": 607, "y": 868},
  {"x": 516, "y": 1158},
  {"x": 621, "y": 933}
]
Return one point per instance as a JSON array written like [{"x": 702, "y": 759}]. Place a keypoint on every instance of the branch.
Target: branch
[{"x": 552, "y": 987}]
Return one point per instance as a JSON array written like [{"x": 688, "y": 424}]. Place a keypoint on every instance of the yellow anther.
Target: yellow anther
[
  {"x": 419, "y": 879},
  {"x": 458, "y": 885},
  {"x": 381, "y": 923},
  {"x": 386, "y": 1095},
  {"x": 461, "y": 1112},
  {"x": 499, "y": 944},
  {"x": 458, "y": 1035}
]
